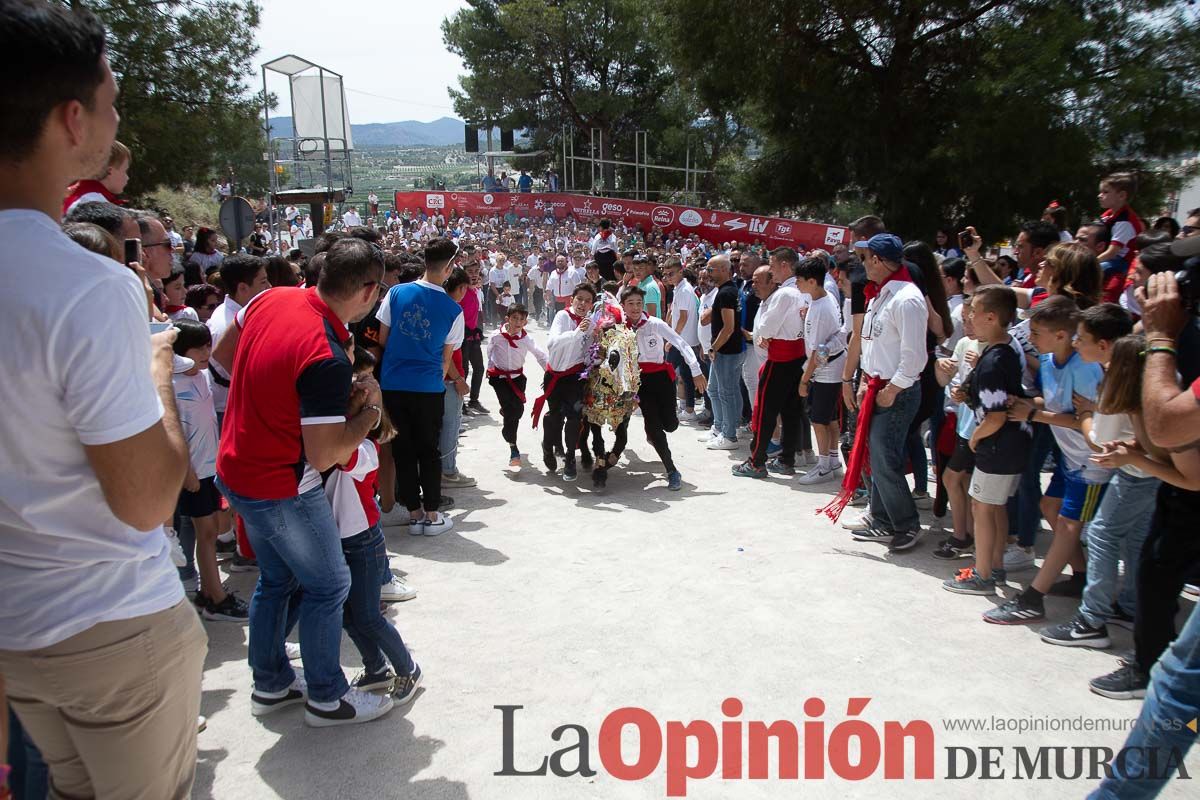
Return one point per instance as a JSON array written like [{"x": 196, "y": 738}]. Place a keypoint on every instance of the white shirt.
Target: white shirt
[
  {"x": 222, "y": 317},
  {"x": 567, "y": 345},
  {"x": 781, "y": 315},
  {"x": 955, "y": 301},
  {"x": 77, "y": 372},
  {"x": 343, "y": 494},
  {"x": 562, "y": 284},
  {"x": 684, "y": 299},
  {"x": 510, "y": 356},
  {"x": 601, "y": 244},
  {"x": 893, "y": 334},
  {"x": 704, "y": 330},
  {"x": 823, "y": 325},
  {"x": 187, "y": 312},
  {"x": 198, "y": 416},
  {"x": 351, "y": 218},
  {"x": 652, "y": 332},
  {"x": 501, "y": 275}
]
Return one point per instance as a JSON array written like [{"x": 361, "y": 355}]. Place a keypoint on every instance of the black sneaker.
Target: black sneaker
[
  {"x": 375, "y": 681},
  {"x": 1120, "y": 618},
  {"x": 406, "y": 686},
  {"x": 1126, "y": 683},
  {"x": 777, "y": 467},
  {"x": 226, "y": 549},
  {"x": 549, "y": 460},
  {"x": 477, "y": 407},
  {"x": 905, "y": 540},
  {"x": 242, "y": 564},
  {"x": 231, "y": 609},
  {"x": 599, "y": 479},
  {"x": 1071, "y": 587},
  {"x": 1017, "y": 611},
  {"x": 952, "y": 548},
  {"x": 585, "y": 460},
  {"x": 569, "y": 473},
  {"x": 1077, "y": 633}
]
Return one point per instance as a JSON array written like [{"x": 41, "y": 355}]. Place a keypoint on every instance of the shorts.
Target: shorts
[
  {"x": 963, "y": 457},
  {"x": 824, "y": 402},
  {"x": 993, "y": 490},
  {"x": 1080, "y": 499},
  {"x": 201, "y": 503}
]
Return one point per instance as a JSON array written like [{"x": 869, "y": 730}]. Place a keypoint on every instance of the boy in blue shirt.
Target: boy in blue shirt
[{"x": 1078, "y": 484}]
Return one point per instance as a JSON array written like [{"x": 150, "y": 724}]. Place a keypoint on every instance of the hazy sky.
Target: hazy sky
[{"x": 392, "y": 50}]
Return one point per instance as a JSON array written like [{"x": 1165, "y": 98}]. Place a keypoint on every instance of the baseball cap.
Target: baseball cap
[{"x": 885, "y": 245}]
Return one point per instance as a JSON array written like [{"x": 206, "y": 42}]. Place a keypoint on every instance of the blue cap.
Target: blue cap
[{"x": 885, "y": 245}]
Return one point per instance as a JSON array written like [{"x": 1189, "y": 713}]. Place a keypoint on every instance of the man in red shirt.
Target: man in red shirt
[{"x": 292, "y": 414}]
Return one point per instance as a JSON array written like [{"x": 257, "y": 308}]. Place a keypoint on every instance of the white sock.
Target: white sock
[
  {"x": 228, "y": 536},
  {"x": 326, "y": 706},
  {"x": 832, "y": 459}
]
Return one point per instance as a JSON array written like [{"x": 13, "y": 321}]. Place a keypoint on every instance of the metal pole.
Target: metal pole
[
  {"x": 272, "y": 183},
  {"x": 564, "y": 161},
  {"x": 602, "y": 182},
  {"x": 325, "y": 136},
  {"x": 687, "y": 166}
]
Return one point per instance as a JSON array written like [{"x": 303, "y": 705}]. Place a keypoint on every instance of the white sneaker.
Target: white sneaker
[
  {"x": 458, "y": 480},
  {"x": 398, "y": 517},
  {"x": 292, "y": 649},
  {"x": 396, "y": 591},
  {"x": 262, "y": 703},
  {"x": 178, "y": 558},
  {"x": 708, "y": 436},
  {"x": 719, "y": 442},
  {"x": 688, "y": 416},
  {"x": 427, "y": 528},
  {"x": 862, "y": 522},
  {"x": 816, "y": 475},
  {"x": 351, "y": 708},
  {"x": 1017, "y": 557}
]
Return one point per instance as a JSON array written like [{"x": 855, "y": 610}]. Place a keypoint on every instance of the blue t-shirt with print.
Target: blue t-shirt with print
[{"x": 1058, "y": 383}]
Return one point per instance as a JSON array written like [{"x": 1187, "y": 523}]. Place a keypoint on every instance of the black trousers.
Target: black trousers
[
  {"x": 472, "y": 352},
  {"x": 605, "y": 260},
  {"x": 1170, "y": 558},
  {"x": 564, "y": 414},
  {"x": 512, "y": 408},
  {"x": 417, "y": 417},
  {"x": 656, "y": 398},
  {"x": 778, "y": 395}
]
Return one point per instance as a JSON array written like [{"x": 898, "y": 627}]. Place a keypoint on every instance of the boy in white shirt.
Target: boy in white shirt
[
  {"x": 506, "y": 372},
  {"x": 821, "y": 382},
  {"x": 199, "y": 500}
]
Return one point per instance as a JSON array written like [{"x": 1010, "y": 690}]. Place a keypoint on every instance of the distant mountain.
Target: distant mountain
[{"x": 440, "y": 132}]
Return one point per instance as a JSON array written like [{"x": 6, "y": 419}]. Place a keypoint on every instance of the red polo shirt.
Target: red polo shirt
[{"x": 290, "y": 370}]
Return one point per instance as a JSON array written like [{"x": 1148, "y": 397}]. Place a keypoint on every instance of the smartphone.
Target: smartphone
[
  {"x": 133, "y": 251},
  {"x": 965, "y": 240}
]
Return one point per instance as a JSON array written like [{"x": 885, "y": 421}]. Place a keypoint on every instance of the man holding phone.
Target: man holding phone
[{"x": 94, "y": 454}]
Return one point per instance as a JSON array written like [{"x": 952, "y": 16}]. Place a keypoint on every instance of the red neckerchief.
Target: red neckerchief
[
  {"x": 872, "y": 288},
  {"x": 173, "y": 309},
  {"x": 638, "y": 325},
  {"x": 574, "y": 318},
  {"x": 512, "y": 340}
]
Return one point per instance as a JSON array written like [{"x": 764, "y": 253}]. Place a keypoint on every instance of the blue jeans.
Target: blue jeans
[
  {"x": 684, "y": 374},
  {"x": 298, "y": 546},
  {"x": 371, "y": 632},
  {"x": 892, "y": 506},
  {"x": 451, "y": 419},
  {"x": 725, "y": 389},
  {"x": 1025, "y": 510},
  {"x": 1160, "y": 735},
  {"x": 30, "y": 778},
  {"x": 1118, "y": 530}
]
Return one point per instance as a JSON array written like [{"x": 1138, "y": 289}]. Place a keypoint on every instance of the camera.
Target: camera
[{"x": 965, "y": 240}]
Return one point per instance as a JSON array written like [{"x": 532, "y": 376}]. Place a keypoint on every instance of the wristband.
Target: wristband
[
  {"x": 1032, "y": 414},
  {"x": 378, "y": 415},
  {"x": 1170, "y": 350}
]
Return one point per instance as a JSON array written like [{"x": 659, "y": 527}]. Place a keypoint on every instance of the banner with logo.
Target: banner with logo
[{"x": 713, "y": 226}]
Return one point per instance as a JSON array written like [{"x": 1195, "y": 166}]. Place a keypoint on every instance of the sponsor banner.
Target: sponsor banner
[{"x": 713, "y": 226}]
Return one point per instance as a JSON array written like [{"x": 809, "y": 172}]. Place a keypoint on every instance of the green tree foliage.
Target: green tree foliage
[
  {"x": 948, "y": 110},
  {"x": 186, "y": 111},
  {"x": 537, "y": 66}
]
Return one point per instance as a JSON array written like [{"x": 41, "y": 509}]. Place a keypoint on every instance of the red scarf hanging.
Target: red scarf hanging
[
  {"x": 860, "y": 455},
  {"x": 512, "y": 340},
  {"x": 554, "y": 376}
]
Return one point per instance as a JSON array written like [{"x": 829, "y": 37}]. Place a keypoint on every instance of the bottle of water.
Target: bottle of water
[{"x": 822, "y": 353}]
